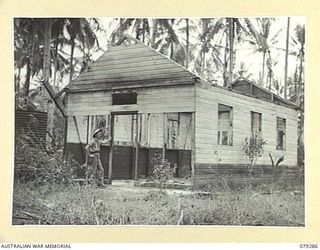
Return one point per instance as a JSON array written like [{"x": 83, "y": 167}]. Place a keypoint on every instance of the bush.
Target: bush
[
  {"x": 162, "y": 170},
  {"x": 41, "y": 165},
  {"x": 253, "y": 148}
]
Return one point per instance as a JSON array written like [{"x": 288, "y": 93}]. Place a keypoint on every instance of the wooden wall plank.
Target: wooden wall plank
[
  {"x": 149, "y": 100},
  {"x": 207, "y": 150},
  {"x": 128, "y": 67}
]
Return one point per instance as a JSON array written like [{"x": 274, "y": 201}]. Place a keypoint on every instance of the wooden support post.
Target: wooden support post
[
  {"x": 57, "y": 101},
  {"x": 164, "y": 141},
  {"x": 178, "y": 146},
  {"x": 193, "y": 147},
  {"x": 88, "y": 117},
  {"x": 148, "y": 129},
  {"x": 65, "y": 135},
  {"x": 111, "y": 148},
  {"x": 136, "y": 161},
  {"x": 79, "y": 137}
]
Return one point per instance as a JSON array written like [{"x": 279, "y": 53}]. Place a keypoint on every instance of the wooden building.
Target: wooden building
[{"x": 150, "y": 104}]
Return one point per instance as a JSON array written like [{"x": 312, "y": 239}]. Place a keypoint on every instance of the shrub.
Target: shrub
[
  {"x": 253, "y": 148},
  {"x": 40, "y": 164},
  {"x": 162, "y": 170}
]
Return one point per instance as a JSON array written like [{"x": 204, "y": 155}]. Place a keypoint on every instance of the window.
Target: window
[
  {"x": 224, "y": 125},
  {"x": 173, "y": 130},
  {"x": 95, "y": 122},
  {"x": 281, "y": 133},
  {"x": 256, "y": 121},
  {"x": 124, "y": 98}
]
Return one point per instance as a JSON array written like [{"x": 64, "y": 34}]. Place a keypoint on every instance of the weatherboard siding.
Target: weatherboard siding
[
  {"x": 155, "y": 101},
  {"x": 149, "y": 100},
  {"x": 208, "y": 151}
]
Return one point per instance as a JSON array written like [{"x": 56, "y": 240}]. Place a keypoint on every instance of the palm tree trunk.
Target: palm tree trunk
[
  {"x": 143, "y": 30},
  {"x": 300, "y": 89},
  {"x": 231, "y": 42},
  {"x": 28, "y": 76},
  {"x": 263, "y": 65},
  {"x": 171, "y": 50},
  {"x": 286, "y": 61},
  {"x": 46, "y": 76},
  {"x": 71, "y": 56},
  {"x": 225, "y": 62},
  {"x": 153, "y": 31},
  {"x": 46, "y": 50},
  {"x": 55, "y": 61},
  {"x": 295, "y": 83},
  {"x": 187, "y": 42}
]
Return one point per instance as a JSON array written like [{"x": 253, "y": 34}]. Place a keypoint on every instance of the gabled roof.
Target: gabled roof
[
  {"x": 132, "y": 65},
  {"x": 247, "y": 87},
  {"x": 136, "y": 65}
]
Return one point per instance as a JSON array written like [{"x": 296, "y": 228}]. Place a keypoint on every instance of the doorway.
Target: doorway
[{"x": 123, "y": 144}]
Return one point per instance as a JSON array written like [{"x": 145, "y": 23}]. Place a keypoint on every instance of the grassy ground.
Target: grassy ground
[{"x": 86, "y": 205}]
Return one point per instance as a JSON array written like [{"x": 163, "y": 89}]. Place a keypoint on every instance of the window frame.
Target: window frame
[
  {"x": 252, "y": 122},
  {"x": 230, "y": 129},
  {"x": 283, "y": 146},
  {"x": 124, "y": 98}
]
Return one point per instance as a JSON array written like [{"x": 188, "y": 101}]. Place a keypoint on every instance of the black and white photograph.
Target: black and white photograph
[{"x": 180, "y": 121}]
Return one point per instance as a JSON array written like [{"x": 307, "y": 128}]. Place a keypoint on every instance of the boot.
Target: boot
[{"x": 101, "y": 184}]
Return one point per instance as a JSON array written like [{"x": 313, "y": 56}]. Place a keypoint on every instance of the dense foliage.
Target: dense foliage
[
  {"x": 162, "y": 171},
  {"x": 41, "y": 163}
]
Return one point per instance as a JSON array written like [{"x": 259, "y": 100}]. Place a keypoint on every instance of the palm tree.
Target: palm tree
[
  {"x": 286, "y": 60},
  {"x": 209, "y": 44},
  {"x": 234, "y": 33},
  {"x": 159, "y": 34},
  {"x": 37, "y": 42},
  {"x": 27, "y": 49},
  {"x": 299, "y": 43},
  {"x": 79, "y": 29},
  {"x": 261, "y": 40}
]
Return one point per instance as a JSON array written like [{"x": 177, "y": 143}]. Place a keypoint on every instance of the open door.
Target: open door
[{"x": 124, "y": 140}]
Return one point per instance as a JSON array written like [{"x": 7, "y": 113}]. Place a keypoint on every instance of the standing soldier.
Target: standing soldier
[{"x": 95, "y": 168}]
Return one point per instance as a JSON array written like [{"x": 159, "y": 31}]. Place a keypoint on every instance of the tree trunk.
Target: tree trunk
[
  {"x": 46, "y": 77},
  {"x": 153, "y": 31},
  {"x": 28, "y": 76},
  {"x": 46, "y": 50},
  {"x": 55, "y": 62},
  {"x": 295, "y": 82},
  {"x": 286, "y": 60},
  {"x": 71, "y": 56},
  {"x": 143, "y": 30},
  {"x": 231, "y": 42},
  {"x": 263, "y": 65},
  {"x": 300, "y": 89},
  {"x": 187, "y": 42},
  {"x": 225, "y": 63}
]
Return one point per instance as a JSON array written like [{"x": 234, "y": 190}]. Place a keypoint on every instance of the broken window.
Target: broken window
[
  {"x": 173, "y": 130},
  {"x": 256, "y": 121},
  {"x": 144, "y": 129},
  {"x": 95, "y": 122},
  {"x": 281, "y": 133},
  {"x": 224, "y": 125},
  {"x": 124, "y": 98}
]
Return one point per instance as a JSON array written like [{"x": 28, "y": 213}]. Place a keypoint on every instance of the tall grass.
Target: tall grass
[{"x": 85, "y": 205}]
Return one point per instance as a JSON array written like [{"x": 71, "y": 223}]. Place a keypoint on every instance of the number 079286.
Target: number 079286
[{"x": 309, "y": 246}]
